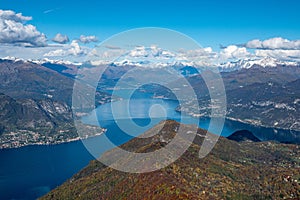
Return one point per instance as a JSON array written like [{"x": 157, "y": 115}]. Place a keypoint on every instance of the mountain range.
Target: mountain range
[
  {"x": 159, "y": 58},
  {"x": 261, "y": 95},
  {"x": 262, "y": 92},
  {"x": 35, "y": 105}
]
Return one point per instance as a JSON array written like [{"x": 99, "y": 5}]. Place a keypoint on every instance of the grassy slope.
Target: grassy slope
[{"x": 231, "y": 171}]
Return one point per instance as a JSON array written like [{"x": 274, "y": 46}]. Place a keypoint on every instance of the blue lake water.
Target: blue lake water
[{"x": 29, "y": 172}]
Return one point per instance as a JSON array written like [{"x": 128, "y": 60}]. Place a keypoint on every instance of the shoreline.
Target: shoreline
[
  {"x": 86, "y": 138},
  {"x": 246, "y": 122},
  {"x": 54, "y": 143},
  {"x": 262, "y": 126},
  {"x": 188, "y": 114}
]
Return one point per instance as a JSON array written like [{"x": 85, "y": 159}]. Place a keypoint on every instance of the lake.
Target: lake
[{"x": 29, "y": 172}]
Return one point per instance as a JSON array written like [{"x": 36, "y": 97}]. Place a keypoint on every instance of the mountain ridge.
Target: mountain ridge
[
  {"x": 233, "y": 65},
  {"x": 36, "y": 105},
  {"x": 232, "y": 170}
]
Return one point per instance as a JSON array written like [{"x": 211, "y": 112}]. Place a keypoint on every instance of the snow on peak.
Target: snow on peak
[
  {"x": 262, "y": 62},
  {"x": 11, "y": 58},
  {"x": 60, "y": 62},
  {"x": 155, "y": 57},
  {"x": 41, "y": 61},
  {"x": 150, "y": 52}
]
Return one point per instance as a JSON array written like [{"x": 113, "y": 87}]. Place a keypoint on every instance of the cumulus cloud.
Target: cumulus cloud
[
  {"x": 25, "y": 53},
  {"x": 13, "y": 30},
  {"x": 11, "y": 15},
  {"x": 61, "y": 39},
  {"x": 274, "y": 43},
  {"x": 110, "y": 54},
  {"x": 87, "y": 39},
  {"x": 70, "y": 50},
  {"x": 254, "y": 44},
  {"x": 154, "y": 55},
  {"x": 282, "y": 54},
  {"x": 234, "y": 52},
  {"x": 206, "y": 52},
  {"x": 152, "y": 51}
]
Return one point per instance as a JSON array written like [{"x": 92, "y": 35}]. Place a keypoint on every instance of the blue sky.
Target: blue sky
[
  {"x": 234, "y": 25},
  {"x": 210, "y": 22}
]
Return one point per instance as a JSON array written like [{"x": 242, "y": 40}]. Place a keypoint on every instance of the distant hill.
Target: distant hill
[
  {"x": 21, "y": 80},
  {"x": 242, "y": 136},
  {"x": 232, "y": 170},
  {"x": 260, "y": 95},
  {"x": 30, "y": 121},
  {"x": 35, "y": 104},
  {"x": 28, "y": 80}
]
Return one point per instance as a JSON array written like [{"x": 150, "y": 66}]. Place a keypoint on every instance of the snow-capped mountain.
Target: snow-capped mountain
[
  {"x": 14, "y": 59},
  {"x": 41, "y": 61},
  {"x": 59, "y": 62},
  {"x": 152, "y": 63},
  {"x": 228, "y": 66},
  {"x": 151, "y": 57},
  {"x": 154, "y": 57},
  {"x": 259, "y": 62}
]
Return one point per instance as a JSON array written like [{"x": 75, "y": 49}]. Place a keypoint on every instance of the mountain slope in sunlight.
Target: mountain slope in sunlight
[{"x": 233, "y": 170}]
